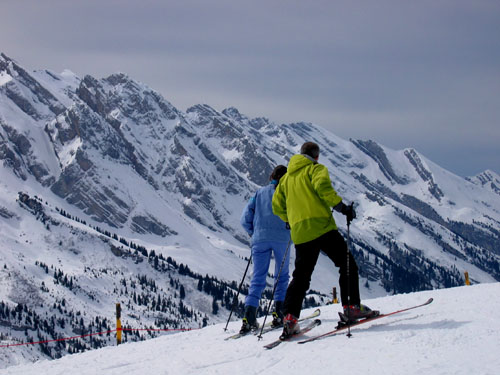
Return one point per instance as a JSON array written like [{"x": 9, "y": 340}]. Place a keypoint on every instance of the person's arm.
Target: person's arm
[
  {"x": 279, "y": 203},
  {"x": 248, "y": 215},
  {"x": 322, "y": 184}
]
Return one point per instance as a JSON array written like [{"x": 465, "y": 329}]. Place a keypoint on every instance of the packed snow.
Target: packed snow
[{"x": 456, "y": 334}]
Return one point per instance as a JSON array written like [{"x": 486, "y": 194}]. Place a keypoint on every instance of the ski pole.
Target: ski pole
[
  {"x": 275, "y": 286},
  {"x": 348, "y": 278},
  {"x": 238, "y": 294}
]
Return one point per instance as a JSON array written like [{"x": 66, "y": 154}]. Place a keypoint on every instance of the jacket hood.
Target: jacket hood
[{"x": 298, "y": 162}]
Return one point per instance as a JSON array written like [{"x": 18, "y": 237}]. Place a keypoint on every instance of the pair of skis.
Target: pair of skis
[
  {"x": 303, "y": 331},
  {"x": 338, "y": 330},
  {"x": 269, "y": 328}
]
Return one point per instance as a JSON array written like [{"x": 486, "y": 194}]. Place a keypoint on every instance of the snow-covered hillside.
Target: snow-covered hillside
[
  {"x": 456, "y": 334},
  {"x": 108, "y": 194},
  {"x": 116, "y": 154}
]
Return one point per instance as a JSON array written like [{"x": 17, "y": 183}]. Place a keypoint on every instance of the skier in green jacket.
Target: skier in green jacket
[{"x": 304, "y": 198}]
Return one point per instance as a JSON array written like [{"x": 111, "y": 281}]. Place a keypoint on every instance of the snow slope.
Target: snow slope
[
  {"x": 456, "y": 334},
  {"x": 115, "y": 155}
]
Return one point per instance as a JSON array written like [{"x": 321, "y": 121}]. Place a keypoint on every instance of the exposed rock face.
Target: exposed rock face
[{"x": 123, "y": 155}]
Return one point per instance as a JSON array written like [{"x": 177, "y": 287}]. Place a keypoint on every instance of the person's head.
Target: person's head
[
  {"x": 278, "y": 172},
  {"x": 311, "y": 149}
]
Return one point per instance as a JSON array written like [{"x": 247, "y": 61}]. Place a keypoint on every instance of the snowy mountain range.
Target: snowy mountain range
[{"x": 109, "y": 194}]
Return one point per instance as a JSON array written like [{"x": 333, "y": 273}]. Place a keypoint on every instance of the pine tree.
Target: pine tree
[
  {"x": 182, "y": 292},
  {"x": 215, "y": 307}
]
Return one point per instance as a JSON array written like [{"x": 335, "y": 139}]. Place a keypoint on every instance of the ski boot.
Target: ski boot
[
  {"x": 277, "y": 315},
  {"x": 247, "y": 327},
  {"x": 250, "y": 320},
  {"x": 354, "y": 313},
  {"x": 290, "y": 327}
]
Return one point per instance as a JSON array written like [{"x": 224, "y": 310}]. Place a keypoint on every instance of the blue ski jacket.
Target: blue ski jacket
[{"x": 258, "y": 218}]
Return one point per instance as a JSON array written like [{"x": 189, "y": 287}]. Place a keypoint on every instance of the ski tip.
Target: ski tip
[
  {"x": 429, "y": 301},
  {"x": 272, "y": 345}
]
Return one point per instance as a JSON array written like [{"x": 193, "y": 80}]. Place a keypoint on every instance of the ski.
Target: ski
[
  {"x": 345, "y": 327},
  {"x": 313, "y": 315},
  {"x": 303, "y": 330},
  {"x": 268, "y": 328}
]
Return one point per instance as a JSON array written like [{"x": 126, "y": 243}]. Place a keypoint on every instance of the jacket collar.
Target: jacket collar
[{"x": 310, "y": 158}]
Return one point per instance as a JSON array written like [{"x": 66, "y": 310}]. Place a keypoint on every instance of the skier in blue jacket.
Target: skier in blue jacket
[{"x": 269, "y": 235}]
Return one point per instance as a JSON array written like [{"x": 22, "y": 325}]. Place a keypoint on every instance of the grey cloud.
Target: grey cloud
[{"x": 407, "y": 74}]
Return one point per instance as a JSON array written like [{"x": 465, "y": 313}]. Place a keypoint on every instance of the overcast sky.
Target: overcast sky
[{"x": 405, "y": 73}]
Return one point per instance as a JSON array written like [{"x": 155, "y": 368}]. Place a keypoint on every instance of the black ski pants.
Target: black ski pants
[{"x": 332, "y": 244}]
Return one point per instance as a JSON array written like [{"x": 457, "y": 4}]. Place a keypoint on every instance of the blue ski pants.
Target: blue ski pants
[{"x": 261, "y": 255}]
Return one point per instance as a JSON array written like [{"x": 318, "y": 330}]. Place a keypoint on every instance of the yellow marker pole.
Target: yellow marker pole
[
  {"x": 467, "y": 281},
  {"x": 335, "y": 299},
  {"x": 118, "y": 324}
]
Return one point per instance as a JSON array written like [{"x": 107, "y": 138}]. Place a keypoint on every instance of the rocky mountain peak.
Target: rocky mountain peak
[
  {"x": 89, "y": 164},
  {"x": 488, "y": 179},
  {"x": 122, "y": 155}
]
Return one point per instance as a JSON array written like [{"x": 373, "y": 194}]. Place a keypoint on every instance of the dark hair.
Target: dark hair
[
  {"x": 311, "y": 149},
  {"x": 278, "y": 172}
]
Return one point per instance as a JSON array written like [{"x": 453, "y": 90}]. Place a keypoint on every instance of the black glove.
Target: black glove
[
  {"x": 349, "y": 212},
  {"x": 287, "y": 225}
]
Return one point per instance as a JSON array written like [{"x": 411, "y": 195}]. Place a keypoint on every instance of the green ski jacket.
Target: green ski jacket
[{"x": 304, "y": 197}]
